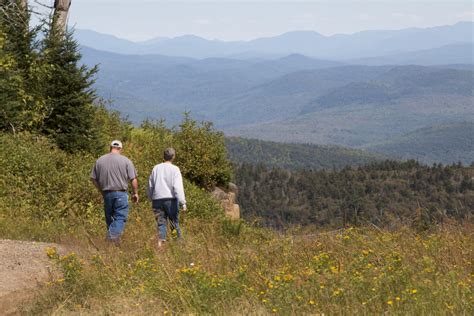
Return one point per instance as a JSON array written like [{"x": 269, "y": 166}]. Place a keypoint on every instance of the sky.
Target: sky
[{"x": 229, "y": 20}]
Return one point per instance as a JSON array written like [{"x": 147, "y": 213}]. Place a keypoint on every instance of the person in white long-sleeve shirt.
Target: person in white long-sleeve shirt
[{"x": 165, "y": 189}]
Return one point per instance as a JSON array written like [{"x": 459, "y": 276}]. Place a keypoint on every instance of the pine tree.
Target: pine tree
[
  {"x": 23, "y": 76},
  {"x": 69, "y": 93},
  {"x": 14, "y": 22},
  {"x": 11, "y": 83}
]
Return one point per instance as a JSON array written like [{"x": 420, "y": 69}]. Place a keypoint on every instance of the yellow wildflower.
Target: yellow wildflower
[
  {"x": 288, "y": 277},
  {"x": 50, "y": 251}
]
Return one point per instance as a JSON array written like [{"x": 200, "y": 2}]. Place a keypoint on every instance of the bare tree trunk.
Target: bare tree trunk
[{"x": 61, "y": 9}]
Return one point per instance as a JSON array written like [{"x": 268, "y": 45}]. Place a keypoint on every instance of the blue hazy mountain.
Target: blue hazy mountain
[
  {"x": 105, "y": 42},
  {"x": 336, "y": 47},
  {"x": 167, "y": 85},
  {"x": 292, "y": 99},
  {"x": 461, "y": 53}
]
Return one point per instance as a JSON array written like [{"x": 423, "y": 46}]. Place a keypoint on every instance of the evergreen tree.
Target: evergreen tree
[
  {"x": 22, "y": 92},
  {"x": 14, "y": 21},
  {"x": 69, "y": 93},
  {"x": 11, "y": 88}
]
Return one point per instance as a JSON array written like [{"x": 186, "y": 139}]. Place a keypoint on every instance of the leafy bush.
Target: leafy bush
[
  {"x": 202, "y": 153},
  {"x": 42, "y": 182},
  {"x": 200, "y": 150},
  {"x": 109, "y": 125}
]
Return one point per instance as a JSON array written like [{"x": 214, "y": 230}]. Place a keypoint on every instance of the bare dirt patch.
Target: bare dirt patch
[{"x": 23, "y": 266}]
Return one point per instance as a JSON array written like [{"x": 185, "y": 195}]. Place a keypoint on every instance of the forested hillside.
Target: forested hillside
[
  {"x": 387, "y": 194},
  {"x": 447, "y": 143},
  {"x": 295, "y": 156}
]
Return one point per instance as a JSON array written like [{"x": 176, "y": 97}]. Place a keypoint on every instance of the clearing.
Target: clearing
[{"x": 23, "y": 266}]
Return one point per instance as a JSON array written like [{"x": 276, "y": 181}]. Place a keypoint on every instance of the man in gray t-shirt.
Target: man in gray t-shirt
[{"x": 110, "y": 175}]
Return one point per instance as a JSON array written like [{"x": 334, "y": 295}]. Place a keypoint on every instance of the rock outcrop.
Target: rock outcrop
[{"x": 227, "y": 199}]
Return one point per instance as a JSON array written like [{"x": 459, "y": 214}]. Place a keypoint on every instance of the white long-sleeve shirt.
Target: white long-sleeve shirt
[{"x": 166, "y": 182}]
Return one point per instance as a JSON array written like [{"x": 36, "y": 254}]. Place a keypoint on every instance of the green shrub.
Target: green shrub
[
  {"x": 42, "y": 182},
  {"x": 202, "y": 154},
  {"x": 109, "y": 125},
  {"x": 200, "y": 150}
]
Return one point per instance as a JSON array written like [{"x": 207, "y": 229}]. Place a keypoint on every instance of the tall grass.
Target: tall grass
[{"x": 225, "y": 267}]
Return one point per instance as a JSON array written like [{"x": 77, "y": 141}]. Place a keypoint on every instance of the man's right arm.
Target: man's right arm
[
  {"x": 96, "y": 184},
  {"x": 94, "y": 178}
]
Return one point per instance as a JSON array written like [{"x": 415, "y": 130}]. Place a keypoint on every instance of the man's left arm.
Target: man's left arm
[
  {"x": 132, "y": 175},
  {"x": 179, "y": 189}
]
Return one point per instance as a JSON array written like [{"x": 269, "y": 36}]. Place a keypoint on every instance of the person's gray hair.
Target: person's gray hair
[{"x": 169, "y": 154}]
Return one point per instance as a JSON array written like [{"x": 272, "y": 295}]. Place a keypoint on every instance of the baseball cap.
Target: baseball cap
[{"x": 116, "y": 144}]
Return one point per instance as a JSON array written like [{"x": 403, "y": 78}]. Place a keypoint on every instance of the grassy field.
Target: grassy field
[
  {"x": 221, "y": 266},
  {"x": 224, "y": 267}
]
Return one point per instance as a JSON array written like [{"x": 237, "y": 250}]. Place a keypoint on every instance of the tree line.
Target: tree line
[
  {"x": 295, "y": 156},
  {"x": 383, "y": 193}
]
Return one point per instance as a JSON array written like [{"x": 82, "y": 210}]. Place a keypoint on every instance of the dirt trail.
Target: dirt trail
[{"x": 23, "y": 266}]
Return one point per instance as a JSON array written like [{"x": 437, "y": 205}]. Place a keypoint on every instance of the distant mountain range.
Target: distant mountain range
[
  {"x": 336, "y": 47},
  {"x": 372, "y": 103},
  {"x": 461, "y": 53}
]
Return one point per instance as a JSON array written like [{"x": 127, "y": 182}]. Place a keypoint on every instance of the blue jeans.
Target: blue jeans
[
  {"x": 166, "y": 210},
  {"x": 116, "y": 213}
]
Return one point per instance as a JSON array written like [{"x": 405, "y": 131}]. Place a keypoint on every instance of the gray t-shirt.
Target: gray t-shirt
[{"x": 113, "y": 172}]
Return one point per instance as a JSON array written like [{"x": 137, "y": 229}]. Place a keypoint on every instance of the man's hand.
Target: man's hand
[
  {"x": 135, "y": 198},
  {"x": 184, "y": 208}
]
